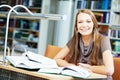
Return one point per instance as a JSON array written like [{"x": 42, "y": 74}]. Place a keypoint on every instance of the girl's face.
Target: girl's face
[{"x": 84, "y": 24}]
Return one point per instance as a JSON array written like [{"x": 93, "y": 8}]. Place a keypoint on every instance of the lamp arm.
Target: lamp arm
[
  {"x": 8, "y": 7},
  {"x": 7, "y": 25}
]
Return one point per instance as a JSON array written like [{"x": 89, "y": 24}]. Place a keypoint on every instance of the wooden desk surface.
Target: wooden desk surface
[{"x": 49, "y": 76}]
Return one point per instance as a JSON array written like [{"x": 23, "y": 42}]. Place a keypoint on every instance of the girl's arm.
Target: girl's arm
[
  {"x": 107, "y": 68},
  {"x": 60, "y": 57}
]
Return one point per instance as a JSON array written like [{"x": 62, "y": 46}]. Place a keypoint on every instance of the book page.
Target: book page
[
  {"x": 42, "y": 59},
  {"x": 69, "y": 71},
  {"x": 76, "y": 72},
  {"x": 32, "y": 60},
  {"x": 51, "y": 70},
  {"x": 16, "y": 60},
  {"x": 23, "y": 62}
]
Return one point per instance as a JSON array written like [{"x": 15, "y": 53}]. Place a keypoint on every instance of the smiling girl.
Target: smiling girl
[{"x": 87, "y": 48}]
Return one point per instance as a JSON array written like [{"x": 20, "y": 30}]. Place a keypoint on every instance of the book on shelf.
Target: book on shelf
[
  {"x": 115, "y": 18},
  {"x": 102, "y": 17},
  {"x": 30, "y": 60},
  {"x": 95, "y": 4},
  {"x": 80, "y": 4},
  {"x": 74, "y": 71},
  {"x": 114, "y": 33}
]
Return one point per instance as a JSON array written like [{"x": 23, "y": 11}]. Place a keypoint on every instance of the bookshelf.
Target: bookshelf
[
  {"x": 29, "y": 31},
  {"x": 107, "y": 13},
  {"x": 114, "y": 32},
  {"x": 22, "y": 30}
]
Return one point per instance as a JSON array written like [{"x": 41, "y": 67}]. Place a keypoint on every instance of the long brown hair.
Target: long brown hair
[{"x": 74, "y": 55}]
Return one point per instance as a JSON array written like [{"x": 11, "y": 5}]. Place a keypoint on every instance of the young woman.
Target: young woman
[{"x": 87, "y": 48}]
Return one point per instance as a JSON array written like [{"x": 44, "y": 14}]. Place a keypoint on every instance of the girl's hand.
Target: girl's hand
[{"x": 85, "y": 66}]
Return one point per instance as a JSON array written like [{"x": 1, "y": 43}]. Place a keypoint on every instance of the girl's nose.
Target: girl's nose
[{"x": 84, "y": 24}]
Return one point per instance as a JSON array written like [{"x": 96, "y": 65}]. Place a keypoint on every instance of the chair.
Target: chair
[
  {"x": 51, "y": 51},
  {"x": 116, "y": 75}
]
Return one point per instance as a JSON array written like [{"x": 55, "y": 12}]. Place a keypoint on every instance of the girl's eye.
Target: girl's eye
[
  {"x": 89, "y": 21},
  {"x": 80, "y": 22}
]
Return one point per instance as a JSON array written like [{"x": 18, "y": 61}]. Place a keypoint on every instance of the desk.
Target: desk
[{"x": 12, "y": 73}]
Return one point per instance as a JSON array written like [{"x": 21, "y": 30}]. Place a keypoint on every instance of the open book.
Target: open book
[
  {"x": 43, "y": 64},
  {"x": 31, "y": 60},
  {"x": 74, "y": 71}
]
